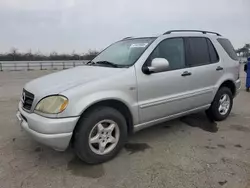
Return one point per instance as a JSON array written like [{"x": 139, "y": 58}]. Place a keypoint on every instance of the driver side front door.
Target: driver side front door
[{"x": 165, "y": 93}]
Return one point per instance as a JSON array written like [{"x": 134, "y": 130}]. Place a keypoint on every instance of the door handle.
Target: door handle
[
  {"x": 219, "y": 68},
  {"x": 186, "y": 73}
]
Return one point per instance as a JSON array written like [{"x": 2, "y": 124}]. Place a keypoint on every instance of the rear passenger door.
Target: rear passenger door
[{"x": 205, "y": 67}]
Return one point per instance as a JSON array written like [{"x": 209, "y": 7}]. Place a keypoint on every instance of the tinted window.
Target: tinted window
[
  {"x": 228, "y": 47},
  {"x": 198, "y": 50},
  {"x": 214, "y": 58},
  {"x": 172, "y": 50}
]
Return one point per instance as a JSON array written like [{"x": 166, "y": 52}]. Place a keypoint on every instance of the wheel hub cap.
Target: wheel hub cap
[
  {"x": 104, "y": 137},
  {"x": 224, "y": 104}
]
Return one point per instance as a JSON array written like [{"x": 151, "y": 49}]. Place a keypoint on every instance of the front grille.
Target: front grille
[{"x": 27, "y": 99}]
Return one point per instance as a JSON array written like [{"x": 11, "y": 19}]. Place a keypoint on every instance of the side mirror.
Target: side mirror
[{"x": 157, "y": 65}]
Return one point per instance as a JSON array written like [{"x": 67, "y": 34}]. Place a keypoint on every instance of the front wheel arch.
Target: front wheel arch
[
  {"x": 116, "y": 104},
  {"x": 83, "y": 133}
]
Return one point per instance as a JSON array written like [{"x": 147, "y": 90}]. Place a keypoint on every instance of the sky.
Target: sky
[{"x": 68, "y": 26}]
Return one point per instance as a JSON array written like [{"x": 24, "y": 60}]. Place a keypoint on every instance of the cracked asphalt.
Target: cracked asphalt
[{"x": 189, "y": 152}]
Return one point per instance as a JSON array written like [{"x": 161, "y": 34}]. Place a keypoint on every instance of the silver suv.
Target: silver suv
[{"x": 132, "y": 84}]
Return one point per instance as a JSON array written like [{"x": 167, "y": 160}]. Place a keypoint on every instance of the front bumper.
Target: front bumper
[{"x": 55, "y": 133}]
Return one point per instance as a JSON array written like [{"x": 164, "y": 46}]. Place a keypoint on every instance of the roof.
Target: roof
[
  {"x": 197, "y": 31},
  {"x": 183, "y": 33}
]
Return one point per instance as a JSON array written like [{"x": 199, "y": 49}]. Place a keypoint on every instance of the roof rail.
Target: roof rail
[
  {"x": 127, "y": 38},
  {"x": 204, "y": 32}
]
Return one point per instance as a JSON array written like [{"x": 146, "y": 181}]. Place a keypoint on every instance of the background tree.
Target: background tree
[
  {"x": 244, "y": 51},
  {"x": 14, "y": 55},
  {"x": 247, "y": 50},
  {"x": 91, "y": 54},
  {"x": 13, "y": 52}
]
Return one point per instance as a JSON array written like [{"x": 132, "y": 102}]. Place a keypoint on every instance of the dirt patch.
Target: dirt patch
[
  {"x": 238, "y": 146},
  {"x": 222, "y": 182},
  {"x": 201, "y": 121},
  {"x": 210, "y": 147},
  {"x": 136, "y": 147},
  {"x": 240, "y": 128},
  {"x": 79, "y": 168},
  {"x": 221, "y": 146},
  {"x": 38, "y": 149}
]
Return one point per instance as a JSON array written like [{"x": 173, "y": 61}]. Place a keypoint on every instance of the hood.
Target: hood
[{"x": 60, "y": 81}]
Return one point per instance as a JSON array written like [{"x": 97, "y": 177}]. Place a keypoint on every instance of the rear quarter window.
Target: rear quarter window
[
  {"x": 214, "y": 57},
  {"x": 228, "y": 47}
]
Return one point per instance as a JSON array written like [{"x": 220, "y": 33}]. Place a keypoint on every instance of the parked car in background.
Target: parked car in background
[
  {"x": 243, "y": 60},
  {"x": 133, "y": 84}
]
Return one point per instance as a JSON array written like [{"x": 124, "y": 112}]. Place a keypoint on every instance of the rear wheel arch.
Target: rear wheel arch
[
  {"x": 215, "y": 110},
  {"x": 229, "y": 84}
]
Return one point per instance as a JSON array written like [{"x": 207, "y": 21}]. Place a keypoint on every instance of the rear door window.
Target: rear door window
[
  {"x": 228, "y": 47},
  {"x": 197, "y": 52}
]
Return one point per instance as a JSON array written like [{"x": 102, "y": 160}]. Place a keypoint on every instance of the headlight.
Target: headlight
[{"x": 52, "y": 104}]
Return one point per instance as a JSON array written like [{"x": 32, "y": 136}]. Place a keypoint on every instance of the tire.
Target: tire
[
  {"x": 213, "y": 112},
  {"x": 87, "y": 125}
]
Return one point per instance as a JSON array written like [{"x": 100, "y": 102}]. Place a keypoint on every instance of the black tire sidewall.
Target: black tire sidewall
[
  {"x": 214, "y": 109},
  {"x": 84, "y": 128}
]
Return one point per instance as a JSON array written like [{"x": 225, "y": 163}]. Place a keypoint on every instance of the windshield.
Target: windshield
[{"x": 123, "y": 53}]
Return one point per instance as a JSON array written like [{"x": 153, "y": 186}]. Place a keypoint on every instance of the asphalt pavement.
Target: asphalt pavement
[{"x": 189, "y": 152}]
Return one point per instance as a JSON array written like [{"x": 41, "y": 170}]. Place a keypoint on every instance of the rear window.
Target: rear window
[{"x": 228, "y": 47}]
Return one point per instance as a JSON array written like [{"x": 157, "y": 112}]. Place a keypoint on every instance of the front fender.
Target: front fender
[{"x": 77, "y": 107}]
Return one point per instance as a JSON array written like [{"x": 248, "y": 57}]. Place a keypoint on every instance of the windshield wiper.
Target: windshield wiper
[
  {"x": 107, "y": 63},
  {"x": 90, "y": 63}
]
